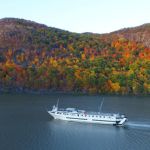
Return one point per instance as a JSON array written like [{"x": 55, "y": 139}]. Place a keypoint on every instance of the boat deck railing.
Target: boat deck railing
[{"x": 83, "y": 112}]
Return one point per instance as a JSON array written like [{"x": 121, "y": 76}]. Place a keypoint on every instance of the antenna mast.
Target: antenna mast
[
  {"x": 57, "y": 103},
  {"x": 100, "y": 108}
]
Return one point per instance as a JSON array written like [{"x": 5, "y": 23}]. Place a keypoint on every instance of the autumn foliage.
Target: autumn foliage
[{"x": 58, "y": 60}]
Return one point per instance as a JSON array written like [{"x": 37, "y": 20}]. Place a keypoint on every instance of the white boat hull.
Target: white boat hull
[{"x": 87, "y": 119}]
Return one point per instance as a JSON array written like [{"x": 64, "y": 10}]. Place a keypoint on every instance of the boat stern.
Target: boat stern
[{"x": 121, "y": 122}]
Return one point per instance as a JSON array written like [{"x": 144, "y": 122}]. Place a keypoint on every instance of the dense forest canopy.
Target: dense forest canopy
[{"x": 34, "y": 57}]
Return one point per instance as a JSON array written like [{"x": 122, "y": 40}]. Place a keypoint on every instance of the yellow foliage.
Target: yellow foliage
[
  {"x": 77, "y": 74},
  {"x": 75, "y": 66},
  {"x": 92, "y": 57},
  {"x": 53, "y": 62},
  {"x": 68, "y": 61},
  {"x": 83, "y": 57},
  {"x": 147, "y": 86},
  {"x": 9, "y": 63},
  {"x": 130, "y": 72},
  {"x": 115, "y": 87},
  {"x": 70, "y": 47}
]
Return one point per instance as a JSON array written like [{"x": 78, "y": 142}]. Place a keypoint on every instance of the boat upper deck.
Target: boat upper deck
[{"x": 76, "y": 111}]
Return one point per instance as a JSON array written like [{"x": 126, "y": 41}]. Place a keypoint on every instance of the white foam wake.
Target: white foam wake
[{"x": 138, "y": 125}]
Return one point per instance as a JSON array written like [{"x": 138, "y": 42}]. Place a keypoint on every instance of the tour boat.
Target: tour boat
[{"x": 73, "y": 114}]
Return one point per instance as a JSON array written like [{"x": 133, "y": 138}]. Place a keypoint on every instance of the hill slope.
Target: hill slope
[
  {"x": 139, "y": 34},
  {"x": 34, "y": 57}
]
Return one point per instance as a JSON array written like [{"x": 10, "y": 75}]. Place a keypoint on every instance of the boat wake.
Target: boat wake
[{"x": 138, "y": 125}]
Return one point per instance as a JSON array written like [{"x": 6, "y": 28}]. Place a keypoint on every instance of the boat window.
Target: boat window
[{"x": 58, "y": 112}]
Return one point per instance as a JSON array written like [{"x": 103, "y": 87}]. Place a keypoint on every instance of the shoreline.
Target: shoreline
[{"x": 9, "y": 90}]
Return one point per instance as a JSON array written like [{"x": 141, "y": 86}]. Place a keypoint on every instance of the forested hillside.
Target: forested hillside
[{"x": 36, "y": 57}]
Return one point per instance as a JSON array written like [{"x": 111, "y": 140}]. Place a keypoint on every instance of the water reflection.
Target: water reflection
[{"x": 83, "y": 136}]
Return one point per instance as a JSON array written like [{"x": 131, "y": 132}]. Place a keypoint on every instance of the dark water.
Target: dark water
[{"x": 25, "y": 124}]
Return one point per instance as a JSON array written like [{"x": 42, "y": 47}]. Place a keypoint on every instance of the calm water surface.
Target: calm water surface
[{"x": 26, "y": 125}]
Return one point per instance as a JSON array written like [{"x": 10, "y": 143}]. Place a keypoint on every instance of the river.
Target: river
[{"x": 26, "y": 125}]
